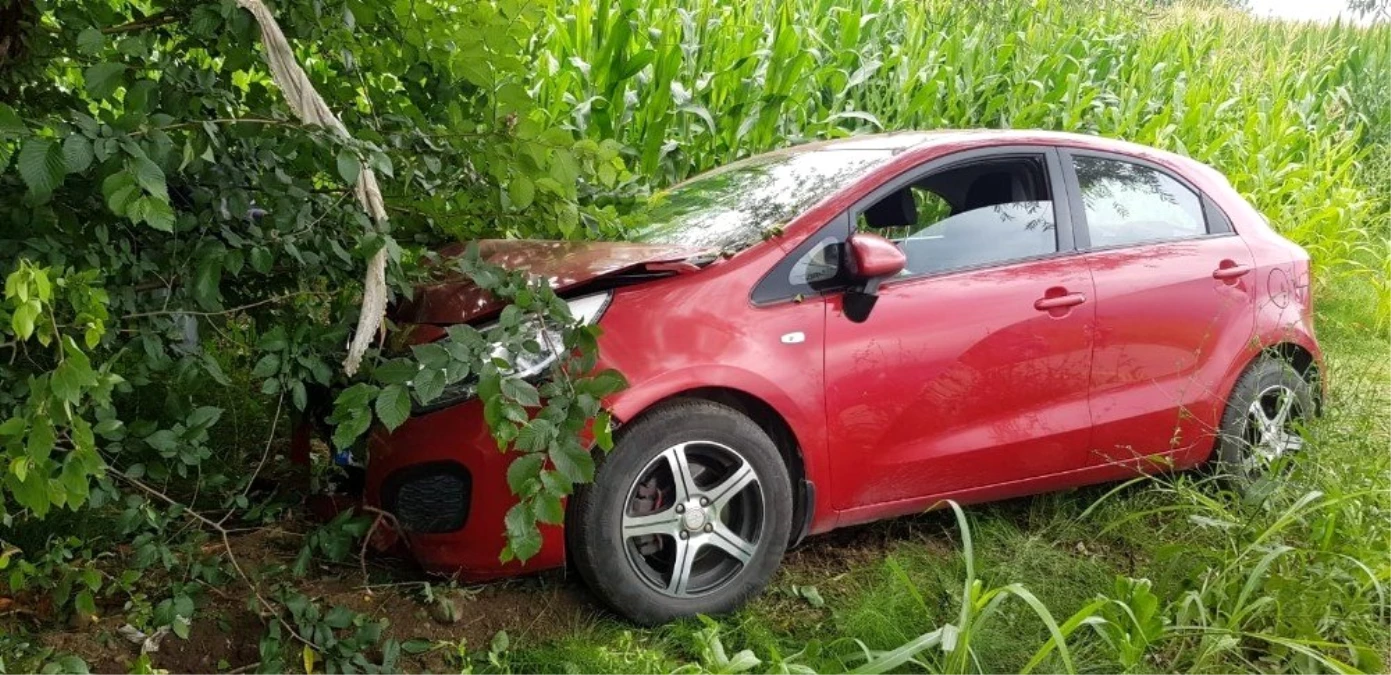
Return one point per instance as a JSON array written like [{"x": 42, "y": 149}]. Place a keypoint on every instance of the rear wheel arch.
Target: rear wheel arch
[
  {"x": 1298, "y": 356},
  {"x": 772, "y": 423}
]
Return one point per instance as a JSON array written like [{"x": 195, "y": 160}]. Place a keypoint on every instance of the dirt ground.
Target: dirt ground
[{"x": 226, "y": 632}]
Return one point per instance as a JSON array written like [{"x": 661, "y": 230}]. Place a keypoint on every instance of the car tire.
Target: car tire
[
  {"x": 1262, "y": 423},
  {"x": 629, "y": 531}
]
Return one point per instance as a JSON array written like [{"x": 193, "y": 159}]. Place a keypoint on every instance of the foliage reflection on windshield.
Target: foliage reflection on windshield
[{"x": 732, "y": 208}]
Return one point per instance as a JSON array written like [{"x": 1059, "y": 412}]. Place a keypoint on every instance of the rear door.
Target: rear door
[{"x": 1174, "y": 306}]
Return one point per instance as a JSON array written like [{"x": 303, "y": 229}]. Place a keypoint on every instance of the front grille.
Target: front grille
[{"x": 429, "y": 498}]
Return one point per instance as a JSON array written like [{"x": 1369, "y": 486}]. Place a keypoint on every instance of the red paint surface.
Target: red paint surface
[
  {"x": 875, "y": 256},
  {"x": 977, "y": 385}
]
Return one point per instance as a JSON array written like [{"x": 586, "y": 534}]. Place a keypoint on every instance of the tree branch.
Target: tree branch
[
  {"x": 258, "y": 303},
  {"x": 151, "y": 21},
  {"x": 187, "y": 510}
]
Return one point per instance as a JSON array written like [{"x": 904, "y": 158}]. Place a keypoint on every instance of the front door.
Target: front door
[{"x": 972, "y": 369}]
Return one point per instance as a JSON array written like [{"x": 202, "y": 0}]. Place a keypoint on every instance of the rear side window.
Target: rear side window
[{"x": 1126, "y": 203}]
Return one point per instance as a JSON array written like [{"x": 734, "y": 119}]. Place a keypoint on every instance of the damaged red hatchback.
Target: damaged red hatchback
[{"x": 853, "y": 330}]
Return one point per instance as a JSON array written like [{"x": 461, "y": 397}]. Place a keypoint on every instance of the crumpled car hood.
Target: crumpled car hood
[{"x": 453, "y": 298}]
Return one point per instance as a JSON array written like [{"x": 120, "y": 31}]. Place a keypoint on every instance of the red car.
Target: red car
[{"x": 846, "y": 331}]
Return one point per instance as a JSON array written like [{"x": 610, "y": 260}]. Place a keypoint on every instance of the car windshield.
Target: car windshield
[{"x": 733, "y": 207}]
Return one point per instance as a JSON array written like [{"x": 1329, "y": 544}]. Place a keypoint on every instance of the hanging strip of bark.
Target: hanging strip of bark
[{"x": 310, "y": 107}]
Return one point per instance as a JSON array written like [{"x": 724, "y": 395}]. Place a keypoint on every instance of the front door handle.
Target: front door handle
[
  {"x": 1230, "y": 270},
  {"x": 1062, "y": 301}
]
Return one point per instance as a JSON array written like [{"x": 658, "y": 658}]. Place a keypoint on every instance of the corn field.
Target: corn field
[{"x": 1296, "y": 115}]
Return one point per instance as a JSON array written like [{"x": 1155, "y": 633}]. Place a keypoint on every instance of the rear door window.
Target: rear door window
[{"x": 1127, "y": 203}]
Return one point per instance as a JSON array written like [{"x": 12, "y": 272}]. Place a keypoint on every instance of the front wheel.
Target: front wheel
[
  {"x": 689, "y": 514},
  {"x": 1264, "y": 421}
]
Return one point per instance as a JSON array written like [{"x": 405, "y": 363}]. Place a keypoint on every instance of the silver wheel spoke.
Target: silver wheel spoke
[
  {"x": 680, "y": 472},
  {"x": 1265, "y": 426},
  {"x": 736, "y": 546},
  {"x": 665, "y": 522},
  {"x": 1290, "y": 442},
  {"x": 1282, "y": 414},
  {"x": 737, "y": 481},
  {"x": 685, "y": 555}
]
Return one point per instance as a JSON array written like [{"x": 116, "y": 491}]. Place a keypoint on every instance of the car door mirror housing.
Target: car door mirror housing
[{"x": 872, "y": 259}]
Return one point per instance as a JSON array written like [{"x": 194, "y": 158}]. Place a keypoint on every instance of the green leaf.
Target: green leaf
[
  {"x": 267, "y": 366},
  {"x": 299, "y": 395},
  {"x": 22, "y": 322},
  {"x": 429, "y": 384},
  {"x": 204, "y": 417},
  {"x": 261, "y": 259},
  {"x": 13, "y": 426},
  {"x": 67, "y": 381},
  {"x": 522, "y": 536},
  {"x": 121, "y": 191},
  {"x": 521, "y": 191},
  {"x": 573, "y": 462},
  {"x": 41, "y": 440},
  {"x": 547, "y": 508},
  {"x": 603, "y": 431},
  {"x": 206, "y": 282},
  {"x": 90, "y": 41},
  {"x": 348, "y": 431},
  {"x": 10, "y": 123},
  {"x": 522, "y": 469},
  {"x": 163, "y": 440},
  {"x": 77, "y": 153},
  {"x": 349, "y": 166},
  {"x": 159, "y": 215},
  {"x": 432, "y": 355},
  {"x": 85, "y": 604},
  {"x": 41, "y": 165},
  {"x": 521, "y": 391},
  {"x": 150, "y": 177},
  {"x": 103, "y": 79},
  {"x": 31, "y": 492},
  {"x": 393, "y": 406},
  {"x": 396, "y": 371}
]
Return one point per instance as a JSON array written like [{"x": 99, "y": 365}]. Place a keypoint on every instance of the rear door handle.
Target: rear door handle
[
  {"x": 1059, "y": 301},
  {"x": 1231, "y": 271}
]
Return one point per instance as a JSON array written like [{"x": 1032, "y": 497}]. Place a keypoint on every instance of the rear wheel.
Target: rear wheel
[
  {"x": 689, "y": 514},
  {"x": 1264, "y": 421}
]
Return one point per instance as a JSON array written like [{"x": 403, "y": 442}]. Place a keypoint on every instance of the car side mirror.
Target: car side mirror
[{"x": 872, "y": 259}]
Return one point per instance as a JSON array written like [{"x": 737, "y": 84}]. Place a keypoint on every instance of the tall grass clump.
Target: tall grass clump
[{"x": 1296, "y": 115}]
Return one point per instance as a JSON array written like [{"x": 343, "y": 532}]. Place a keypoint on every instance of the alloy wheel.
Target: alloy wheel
[
  {"x": 693, "y": 518},
  {"x": 1272, "y": 432}
]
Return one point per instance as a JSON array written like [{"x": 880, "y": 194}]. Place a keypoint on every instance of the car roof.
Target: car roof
[
  {"x": 912, "y": 140},
  {"x": 927, "y": 142}
]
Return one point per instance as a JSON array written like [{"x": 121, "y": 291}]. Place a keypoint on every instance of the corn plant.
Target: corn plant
[{"x": 1295, "y": 114}]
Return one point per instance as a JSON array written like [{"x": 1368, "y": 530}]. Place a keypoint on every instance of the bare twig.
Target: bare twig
[
  {"x": 258, "y": 303},
  {"x": 367, "y": 539},
  {"x": 266, "y": 604}
]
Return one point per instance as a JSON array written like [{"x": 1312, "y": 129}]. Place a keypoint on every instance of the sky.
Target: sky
[{"x": 1299, "y": 9}]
